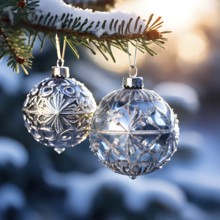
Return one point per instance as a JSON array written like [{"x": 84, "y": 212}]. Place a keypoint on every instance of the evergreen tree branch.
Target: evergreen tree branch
[
  {"x": 16, "y": 49},
  {"x": 148, "y": 35},
  {"x": 22, "y": 22}
]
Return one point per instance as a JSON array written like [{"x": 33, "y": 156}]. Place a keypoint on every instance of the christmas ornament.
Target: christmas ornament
[
  {"x": 133, "y": 130},
  {"x": 58, "y": 110}
]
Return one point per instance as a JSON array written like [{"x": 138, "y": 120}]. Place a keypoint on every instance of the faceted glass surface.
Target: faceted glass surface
[
  {"x": 58, "y": 111},
  {"x": 134, "y": 131}
]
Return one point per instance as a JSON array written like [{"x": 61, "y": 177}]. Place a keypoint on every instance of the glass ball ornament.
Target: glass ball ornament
[
  {"x": 58, "y": 111},
  {"x": 133, "y": 130}
]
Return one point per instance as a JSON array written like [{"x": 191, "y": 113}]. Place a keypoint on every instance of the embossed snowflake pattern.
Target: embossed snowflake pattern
[
  {"x": 137, "y": 132},
  {"x": 57, "y": 112}
]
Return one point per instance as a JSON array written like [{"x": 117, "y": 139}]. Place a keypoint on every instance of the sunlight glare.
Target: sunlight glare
[
  {"x": 176, "y": 14},
  {"x": 179, "y": 16},
  {"x": 192, "y": 47}
]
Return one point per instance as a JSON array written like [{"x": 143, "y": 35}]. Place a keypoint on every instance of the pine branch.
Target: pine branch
[
  {"x": 16, "y": 49},
  {"x": 22, "y": 22}
]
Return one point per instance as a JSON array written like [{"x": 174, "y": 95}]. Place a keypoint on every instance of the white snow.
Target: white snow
[
  {"x": 82, "y": 189},
  {"x": 81, "y": 1},
  {"x": 99, "y": 32},
  {"x": 179, "y": 94},
  {"x": 11, "y": 196},
  {"x": 13, "y": 152},
  {"x": 7, "y": 77},
  {"x": 58, "y": 8}
]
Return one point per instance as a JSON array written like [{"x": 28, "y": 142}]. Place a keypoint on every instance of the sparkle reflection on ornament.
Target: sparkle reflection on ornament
[{"x": 134, "y": 132}]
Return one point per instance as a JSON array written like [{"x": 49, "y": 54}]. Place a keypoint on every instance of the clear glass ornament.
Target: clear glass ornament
[
  {"x": 133, "y": 130},
  {"x": 58, "y": 111}
]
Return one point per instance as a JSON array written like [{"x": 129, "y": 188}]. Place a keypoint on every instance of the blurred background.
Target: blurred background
[{"x": 36, "y": 183}]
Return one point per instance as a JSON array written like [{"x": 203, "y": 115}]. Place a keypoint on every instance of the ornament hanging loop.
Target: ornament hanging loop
[
  {"x": 60, "y": 58},
  {"x": 60, "y": 62},
  {"x": 60, "y": 70},
  {"x": 133, "y": 70}
]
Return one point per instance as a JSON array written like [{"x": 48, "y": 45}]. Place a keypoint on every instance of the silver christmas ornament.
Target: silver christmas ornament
[
  {"x": 58, "y": 111},
  {"x": 133, "y": 130}
]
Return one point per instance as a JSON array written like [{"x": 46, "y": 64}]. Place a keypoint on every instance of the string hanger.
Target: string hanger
[
  {"x": 133, "y": 70},
  {"x": 60, "y": 57}
]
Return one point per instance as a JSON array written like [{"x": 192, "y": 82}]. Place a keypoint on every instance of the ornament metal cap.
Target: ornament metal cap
[
  {"x": 133, "y": 82},
  {"x": 60, "y": 72}
]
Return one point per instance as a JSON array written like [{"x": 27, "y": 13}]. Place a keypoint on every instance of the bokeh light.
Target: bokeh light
[
  {"x": 192, "y": 47},
  {"x": 177, "y": 14},
  {"x": 183, "y": 18}
]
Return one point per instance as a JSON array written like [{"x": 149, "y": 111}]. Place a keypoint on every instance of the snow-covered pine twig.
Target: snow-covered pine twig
[
  {"x": 96, "y": 5},
  {"x": 102, "y": 30}
]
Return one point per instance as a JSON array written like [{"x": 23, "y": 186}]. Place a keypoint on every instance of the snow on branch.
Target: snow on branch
[
  {"x": 60, "y": 16},
  {"x": 23, "y": 21},
  {"x": 95, "y": 5}
]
